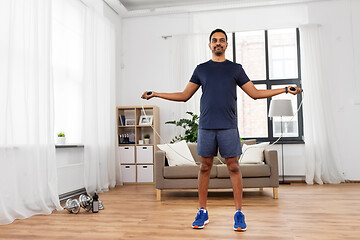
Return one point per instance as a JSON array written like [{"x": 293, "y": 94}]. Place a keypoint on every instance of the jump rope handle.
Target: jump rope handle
[
  {"x": 149, "y": 93},
  {"x": 293, "y": 89}
]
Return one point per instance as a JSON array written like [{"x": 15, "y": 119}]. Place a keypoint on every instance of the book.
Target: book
[{"x": 122, "y": 117}]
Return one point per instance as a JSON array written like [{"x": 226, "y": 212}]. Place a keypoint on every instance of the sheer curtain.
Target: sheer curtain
[
  {"x": 187, "y": 52},
  {"x": 322, "y": 158},
  {"x": 99, "y": 127},
  {"x": 27, "y": 152}
]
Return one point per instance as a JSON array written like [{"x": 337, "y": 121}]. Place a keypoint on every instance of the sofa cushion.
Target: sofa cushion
[
  {"x": 253, "y": 153},
  {"x": 247, "y": 170},
  {"x": 185, "y": 172},
  {"x": 178, "y": 154}
]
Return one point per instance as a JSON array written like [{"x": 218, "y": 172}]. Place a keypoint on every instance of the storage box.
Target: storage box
[
  {"x": 145, "y": 173},
  {"x": 128, "y": 173},
  {"x": 127, "y": 154},
  {"x": 144, "y": 154}
]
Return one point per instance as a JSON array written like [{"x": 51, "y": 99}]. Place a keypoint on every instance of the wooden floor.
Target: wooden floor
[{"x": 132, "y": 212}]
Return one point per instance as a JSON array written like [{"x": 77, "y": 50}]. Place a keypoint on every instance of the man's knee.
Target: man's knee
[
  {"x": 206, "y": 164},
  {"x": 233, "y": 166}
]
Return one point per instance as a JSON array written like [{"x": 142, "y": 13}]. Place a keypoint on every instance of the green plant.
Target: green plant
[
  {"x": 190, "y": 126},
  {"x": 147, "y": 136},
  {"x": 61, "y": 134}
]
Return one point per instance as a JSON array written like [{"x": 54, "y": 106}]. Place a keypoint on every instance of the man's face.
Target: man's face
[{"x": 218, "y": 43}]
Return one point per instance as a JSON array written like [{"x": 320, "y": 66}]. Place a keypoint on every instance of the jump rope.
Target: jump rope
[{"x": 242, "y": 155}]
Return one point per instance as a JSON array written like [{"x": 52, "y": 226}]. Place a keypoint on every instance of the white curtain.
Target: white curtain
[
  {"x": 28, "y": 174},
  {"x": 99, "y": 103},
  {"x": 323, "y": 163},
  {"x": 187, "y": 52}
]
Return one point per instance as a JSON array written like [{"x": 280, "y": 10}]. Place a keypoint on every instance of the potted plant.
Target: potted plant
[
  {"x": 147, "y": 138},
  {"x": 190, "y": 126},
  {"x": 61, "y": 138}
]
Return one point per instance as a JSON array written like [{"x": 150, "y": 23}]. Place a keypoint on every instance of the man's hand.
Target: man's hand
[
  {"x": 146, "y": 96},
  {"x": 183, "y": 96},
  {"x": 294, "y": 92}
]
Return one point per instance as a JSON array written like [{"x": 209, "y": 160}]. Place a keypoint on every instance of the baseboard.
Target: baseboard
[
  {"x": 72, "y": 193},
  {"x": 293, "y": 181},
  {"x": 352, "y": 181},
  {"x": 303, "y": 181},
  {"x": 293, "y": 178}
]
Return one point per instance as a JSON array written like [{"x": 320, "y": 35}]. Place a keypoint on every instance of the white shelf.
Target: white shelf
[{"x": 137, "y": 162}]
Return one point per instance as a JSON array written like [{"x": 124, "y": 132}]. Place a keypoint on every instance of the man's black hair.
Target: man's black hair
[{"x": 217, "y": 30}]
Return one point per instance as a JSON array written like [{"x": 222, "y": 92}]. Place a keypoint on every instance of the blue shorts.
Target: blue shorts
[{"x": 227, "y": 140}]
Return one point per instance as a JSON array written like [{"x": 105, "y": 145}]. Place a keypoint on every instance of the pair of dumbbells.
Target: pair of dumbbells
[{"x": 85, "y": 201}]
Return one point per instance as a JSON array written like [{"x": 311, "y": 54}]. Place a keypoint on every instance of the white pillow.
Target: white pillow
[
  {"x": 177, "y": 158},
  {"x": 253, "y": 153}
]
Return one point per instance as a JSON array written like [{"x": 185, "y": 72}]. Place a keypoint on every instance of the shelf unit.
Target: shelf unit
[{"x": 137, "y": 160}]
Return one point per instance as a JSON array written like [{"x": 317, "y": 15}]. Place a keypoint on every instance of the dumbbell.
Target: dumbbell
[{"x": 72, "y": 205}]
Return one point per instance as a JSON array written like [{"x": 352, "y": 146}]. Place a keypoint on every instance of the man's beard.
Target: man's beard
[{"x": 218, "y": 52}]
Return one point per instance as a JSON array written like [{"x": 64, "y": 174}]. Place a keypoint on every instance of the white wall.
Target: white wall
[{"x": 146, "y": 60}]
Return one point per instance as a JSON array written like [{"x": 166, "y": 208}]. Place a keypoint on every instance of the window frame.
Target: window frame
[{"x": 273, "y": 82}]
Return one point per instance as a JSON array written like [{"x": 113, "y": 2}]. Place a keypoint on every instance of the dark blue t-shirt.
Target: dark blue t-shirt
[{"x": 218, "y": 80}]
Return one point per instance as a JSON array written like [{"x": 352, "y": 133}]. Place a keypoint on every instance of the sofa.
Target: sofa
[{"x": 185, "y": 177}]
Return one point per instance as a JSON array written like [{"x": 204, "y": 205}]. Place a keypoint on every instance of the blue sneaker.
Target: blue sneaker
[
  {"x": 201, "y": 219},
  {"x": 240, "y": 224}
]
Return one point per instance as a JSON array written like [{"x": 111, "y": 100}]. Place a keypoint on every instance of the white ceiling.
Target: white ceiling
[
  {"x": 132, "y": 5},
  {"x": 131, "y": 8}
]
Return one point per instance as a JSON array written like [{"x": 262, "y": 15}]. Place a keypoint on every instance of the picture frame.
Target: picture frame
[
  {"x": 129, "y": 122},
  {"x": 146, "y": 120}
]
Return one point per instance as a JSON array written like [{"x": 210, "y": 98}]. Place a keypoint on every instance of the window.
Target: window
[
  {"x": 67, "y": 53},
  {"x": 271, "y": 59}
]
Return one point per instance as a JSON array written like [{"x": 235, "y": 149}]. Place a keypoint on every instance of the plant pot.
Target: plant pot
[
  {"x": 61, "y": 140},
  {"x": 146, "y": 140}
]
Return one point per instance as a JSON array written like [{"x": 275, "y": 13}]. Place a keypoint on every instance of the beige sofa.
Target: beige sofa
[{"x": 185, "y": 177}]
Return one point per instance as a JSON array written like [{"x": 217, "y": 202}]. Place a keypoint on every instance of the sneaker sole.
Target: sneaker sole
[
  {"x": 201, "y": 227},
  {"x": 240, "y": 229}
]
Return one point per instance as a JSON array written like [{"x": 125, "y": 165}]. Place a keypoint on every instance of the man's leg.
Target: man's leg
[
  {"x": 206, "y": 146},
  {"x": 230, "y": 148},
  {"x": 236, "y": 180},
  {"x": 203, "y": 180},
  {"x": 202, "y": 217}
]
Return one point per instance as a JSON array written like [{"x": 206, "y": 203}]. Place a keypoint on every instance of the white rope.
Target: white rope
[
  {"x": 281, "y": 135},
  {"x": 242, "y": 155},
  {"x": 142, "y": 106}
]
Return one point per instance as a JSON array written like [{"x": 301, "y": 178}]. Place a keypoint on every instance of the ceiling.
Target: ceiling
[
  {"x": 131, "y": 8},
  {"x": 132, "y": 5}
]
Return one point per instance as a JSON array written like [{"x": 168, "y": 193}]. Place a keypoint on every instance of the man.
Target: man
[{"x": 218, "y": 129}]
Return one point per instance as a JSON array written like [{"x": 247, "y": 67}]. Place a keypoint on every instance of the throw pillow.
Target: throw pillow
[
  {"x": 178, "y": 154},
  {"x": 253, "y": 153}
]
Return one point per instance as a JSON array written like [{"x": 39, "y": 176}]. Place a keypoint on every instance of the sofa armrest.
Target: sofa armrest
[
  {"x": 159, "y": 169},
  {"x": 271, "y": 158}
]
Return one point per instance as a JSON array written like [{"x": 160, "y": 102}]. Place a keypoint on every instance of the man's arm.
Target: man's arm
[
  {"x": 254, "y": 93},
  {"x": 183, "y": 96}
]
